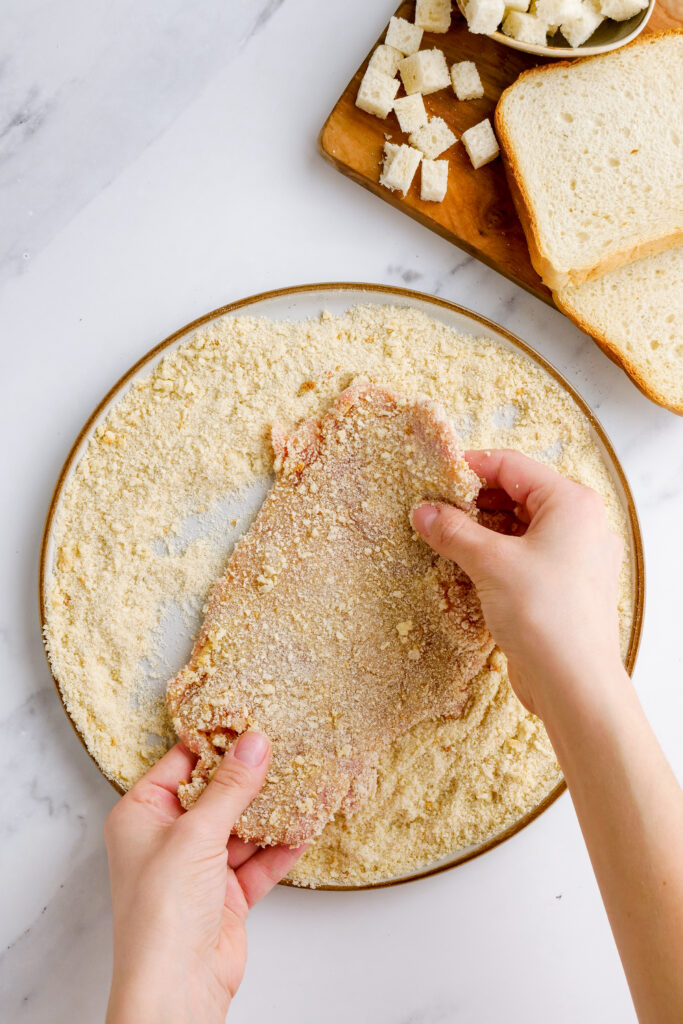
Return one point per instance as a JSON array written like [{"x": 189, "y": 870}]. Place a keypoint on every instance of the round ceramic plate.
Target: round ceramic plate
[
  {"x": 308, "y": 301},
  {"x": 610, "y": 35}
]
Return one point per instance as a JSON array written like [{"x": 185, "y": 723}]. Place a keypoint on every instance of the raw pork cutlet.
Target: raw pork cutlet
[{"x": 335, "y": 629}]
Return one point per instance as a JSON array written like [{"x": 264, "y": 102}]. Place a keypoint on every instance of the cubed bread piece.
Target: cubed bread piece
[
  {"x": 466, "y": 81},
  {"x": 411, "y": 113},
  {"x": 622, "y": 10},
  {"x": 433, "y": 138},
  {"x": 555, "y": 12},
  {"x": 517, "y": 5},
  {"x": 433, "y": 15},
  {"x": 403, "y": 36},
  {"x": 481, "y": 143},
  {"x": 434, "y": 180},
  {"x": 581, "y": 27},
  {"x": 377, "y": 93},
  {"x": 484, "y": 16},
  {"x": 550, "y": 27},
  {"x": 527, "y": 28},
  {"x": 424, "y": 72},
  {"x": 399, "y": 170},
  {"x": 390, "y": 151},
  {"x": 386, "y": 59}
]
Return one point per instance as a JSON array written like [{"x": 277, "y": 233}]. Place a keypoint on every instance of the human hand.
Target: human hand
[
  {"x": 182, "y": 888},
  {"x": 549, "y": 597}
]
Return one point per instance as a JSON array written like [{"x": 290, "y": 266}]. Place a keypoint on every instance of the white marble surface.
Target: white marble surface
[{"x": 157, "y": 159}]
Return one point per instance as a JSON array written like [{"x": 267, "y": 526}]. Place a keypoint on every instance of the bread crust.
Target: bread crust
[
  {"x": 551, "y": 275},
  {"x": 618, "y": 356}
]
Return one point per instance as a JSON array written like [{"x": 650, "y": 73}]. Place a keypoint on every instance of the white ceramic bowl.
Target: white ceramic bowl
[{"x": 608, "y": 36}]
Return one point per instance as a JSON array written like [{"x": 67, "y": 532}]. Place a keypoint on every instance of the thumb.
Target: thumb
[
  {"x": 455, "y": 535},
  {"x": 236, "y": 782}
]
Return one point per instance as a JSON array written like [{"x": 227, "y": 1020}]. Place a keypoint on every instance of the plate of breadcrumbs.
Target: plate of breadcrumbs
[{"x": 167, "y": 496}]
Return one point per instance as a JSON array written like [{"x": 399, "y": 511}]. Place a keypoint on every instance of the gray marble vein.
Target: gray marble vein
[
  {"x": 73, "y": 116},
  {"x": 75, "y": 918}
]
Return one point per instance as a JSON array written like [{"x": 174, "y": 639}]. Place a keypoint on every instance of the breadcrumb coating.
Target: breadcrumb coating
[{"x": 335, "y": 629}]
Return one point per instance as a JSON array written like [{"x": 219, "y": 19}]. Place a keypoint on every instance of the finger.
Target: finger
[
  {"x": 522, "y": 514},
  {"x": 516, "y": 474},
  {"x": 239, "y": 851},
  {"x": 265, "y": 869},
  {"x": 171, "y": 769},
  {"x": 456, "y": 536},
  {"x": 495, "y": 499},
  {"x": 236, "y": 782},
  {"x": 159, "y": 786}
]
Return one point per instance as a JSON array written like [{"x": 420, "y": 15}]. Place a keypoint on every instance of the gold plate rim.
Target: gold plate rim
[{"x": 405, "y": 293}]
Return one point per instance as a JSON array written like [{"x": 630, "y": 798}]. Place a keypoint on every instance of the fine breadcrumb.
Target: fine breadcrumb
[{"x": 128, "y": 554}]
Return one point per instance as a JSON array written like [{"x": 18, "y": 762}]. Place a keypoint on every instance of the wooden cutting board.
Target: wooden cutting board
[{"x": 477, "y": 214}]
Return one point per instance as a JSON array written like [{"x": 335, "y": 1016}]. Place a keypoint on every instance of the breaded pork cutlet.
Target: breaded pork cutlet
[{"x": 335, "y": 629}]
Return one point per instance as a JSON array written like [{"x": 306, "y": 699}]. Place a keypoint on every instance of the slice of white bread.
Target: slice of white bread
[
  {"x": 635, "y": 314},
  {"x": 594, "y": 157}
]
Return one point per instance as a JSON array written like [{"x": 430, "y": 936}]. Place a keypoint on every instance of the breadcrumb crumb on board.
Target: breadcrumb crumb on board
[{"x": 152, "y": 510}]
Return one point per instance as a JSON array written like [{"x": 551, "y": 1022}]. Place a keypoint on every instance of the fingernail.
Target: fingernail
[
  {"x": 251, "y": 748},
  {"x": 422, "y": 518}
]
